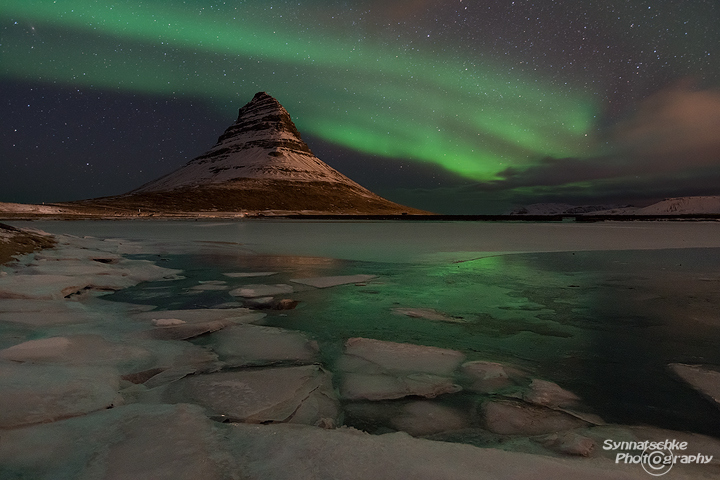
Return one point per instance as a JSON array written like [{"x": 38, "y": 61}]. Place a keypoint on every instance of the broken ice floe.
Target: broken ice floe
[
  {"x": 416, "y": 417},
  {"x": 184, "y": 331},
  {"x": 165, "y": 442},
  {"x": 259, "y": 290},
  {"x": 167, "y": 322},
  {"x": 299, "y": 452},
  {"x": 209, "y": 286},
  {"x": 490, "y": 377},
  {"x": 424, "y": 418},
  {"x": 360, "y": 386},
  {"x": 379, "y": 370},
  {"x": 569, "y": 443},
  {"x": 45, "y": 313},
  {"x": 326, "y": 282},
  {"x": 270, "y": 303},
  {"x": 200, "y": 315},
  {"x": 179, "y": 442},
  {"x": 77, "y": 350},
  {"x": 702, "y": 379},
  {"x": 41, "y": 287},
  {"x": 187, "y": 324},
  {"x": 549, "y": 394},
  {"x": 292, "y": 394},
  {"x": 45, "y": 393},
  {"x": 517, "y": 418},
  {"x": 428, "y": 314},
  {"x": 404, "y": 357},
  {"x": 243, "y": 345},
  {"x": 249, "y": 274},
  {"x": 64, "y": 271}
]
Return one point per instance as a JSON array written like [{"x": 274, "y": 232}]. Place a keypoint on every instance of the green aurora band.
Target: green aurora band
[{"x": 472, "y": 118}]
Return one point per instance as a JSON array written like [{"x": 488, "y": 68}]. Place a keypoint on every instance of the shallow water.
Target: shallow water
[{"x": 576, "y": 307}]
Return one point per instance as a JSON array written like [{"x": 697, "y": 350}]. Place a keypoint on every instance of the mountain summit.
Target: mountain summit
[
  {"x": 260, "y": 163},
  {"x": 263, "y": 143}
]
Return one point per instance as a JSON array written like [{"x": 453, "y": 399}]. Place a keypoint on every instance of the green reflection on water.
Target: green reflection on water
[{"x": 601, "y": 324}]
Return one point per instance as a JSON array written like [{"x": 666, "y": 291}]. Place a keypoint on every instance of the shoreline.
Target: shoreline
[
  {"x": 580, "y": 218},
  {"x": 17, "y": 241}
]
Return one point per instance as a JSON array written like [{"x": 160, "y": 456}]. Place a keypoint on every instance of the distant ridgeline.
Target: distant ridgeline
[{"x": 681, "y": 206}]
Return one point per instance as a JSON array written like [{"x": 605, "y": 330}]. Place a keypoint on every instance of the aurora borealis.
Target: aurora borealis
[{"x": 463, "y": 106}]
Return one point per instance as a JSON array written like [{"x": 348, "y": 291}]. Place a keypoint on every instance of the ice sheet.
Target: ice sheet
[
  {"x": 259, "y": 290},
  {"x": 516, "y": 418},
  {"x": 244, "y": 345},
  {"x": 78, "y": 350},
  {"x": 404, "y": 357},
  {"x": 248, "y": 274},
  {"x": 705, "y": 380},
  {"x": 379, "y": 370},
  {"x": 235, "y": 315},
  {"x": 172, "y": 442},
  {"x": 408, "y": 242},
  {"x": 289, "y": 394},
  {"x": 326, "y": 282},
  {"x": 31, "y": 394},
  {"x": 489, "y": 377},
  {"x": 45, "y": 313},
  {"x": 298, "y": 452}
]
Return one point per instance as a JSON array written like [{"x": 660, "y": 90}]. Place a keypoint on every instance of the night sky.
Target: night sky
[{"x": 455, "y": 106}]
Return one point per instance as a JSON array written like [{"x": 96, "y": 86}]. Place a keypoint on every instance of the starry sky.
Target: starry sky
[{"x": 454, "y": 106}]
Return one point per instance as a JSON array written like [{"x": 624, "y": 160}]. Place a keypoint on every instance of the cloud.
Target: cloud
[
  {"x": 672, "y": 139},
  {"x": 673, "y": 129}
]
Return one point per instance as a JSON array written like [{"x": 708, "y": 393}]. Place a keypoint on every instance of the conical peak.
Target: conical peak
[
  {"x": 262, "y": 144},
  {"x": 260, "y": 103},
  {"x": 259, "y": 96},
  {"x": 263, "y": 118}
]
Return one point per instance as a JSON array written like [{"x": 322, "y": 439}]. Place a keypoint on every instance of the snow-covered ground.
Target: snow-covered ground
[
  {"x": 31, "y": 208},
  {"x": 683, "y": 205},
  {"x": 700, "y": 205}
]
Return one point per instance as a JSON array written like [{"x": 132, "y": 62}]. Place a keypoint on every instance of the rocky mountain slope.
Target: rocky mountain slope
[{"x": 259, "y": 164}]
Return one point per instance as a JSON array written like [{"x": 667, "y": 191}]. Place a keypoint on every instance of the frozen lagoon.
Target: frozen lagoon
[{"x": 559, "y": 336}]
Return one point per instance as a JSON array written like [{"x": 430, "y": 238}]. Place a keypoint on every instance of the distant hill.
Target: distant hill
[
  {"x": 558, "y": 209},
  {"x": 701, "y": 205},
  {"x": 683, "y": 206}
]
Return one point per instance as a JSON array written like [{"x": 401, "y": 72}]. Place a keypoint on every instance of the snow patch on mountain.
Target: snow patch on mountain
[
  {"x": 559, "y": 209},
  {"x": 262, "y": 144},
  {"x": 683, "y": 206}
]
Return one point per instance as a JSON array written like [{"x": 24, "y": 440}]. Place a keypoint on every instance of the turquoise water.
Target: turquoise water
[{"x": 601, "y": 324}]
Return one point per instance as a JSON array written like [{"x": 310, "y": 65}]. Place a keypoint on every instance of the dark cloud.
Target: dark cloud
[
  {"x": 672, "y": 130},
  {"x": 554, "y": 172},
  {"x": 670, "y": 146}
]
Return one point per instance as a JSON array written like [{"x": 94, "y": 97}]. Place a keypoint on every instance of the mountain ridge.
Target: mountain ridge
[
  {"x": 262, "y": 143},
  {"x": 259, "y": 163},
  {"x": 690, "y": 205}
]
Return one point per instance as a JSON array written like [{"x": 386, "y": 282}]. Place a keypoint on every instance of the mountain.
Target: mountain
[
  {"x": 683, "y": 206},
  {"x": 259, "y": 164},
  {"x": 560, "y": 209},
  {"x": 700, "y": 205}
]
